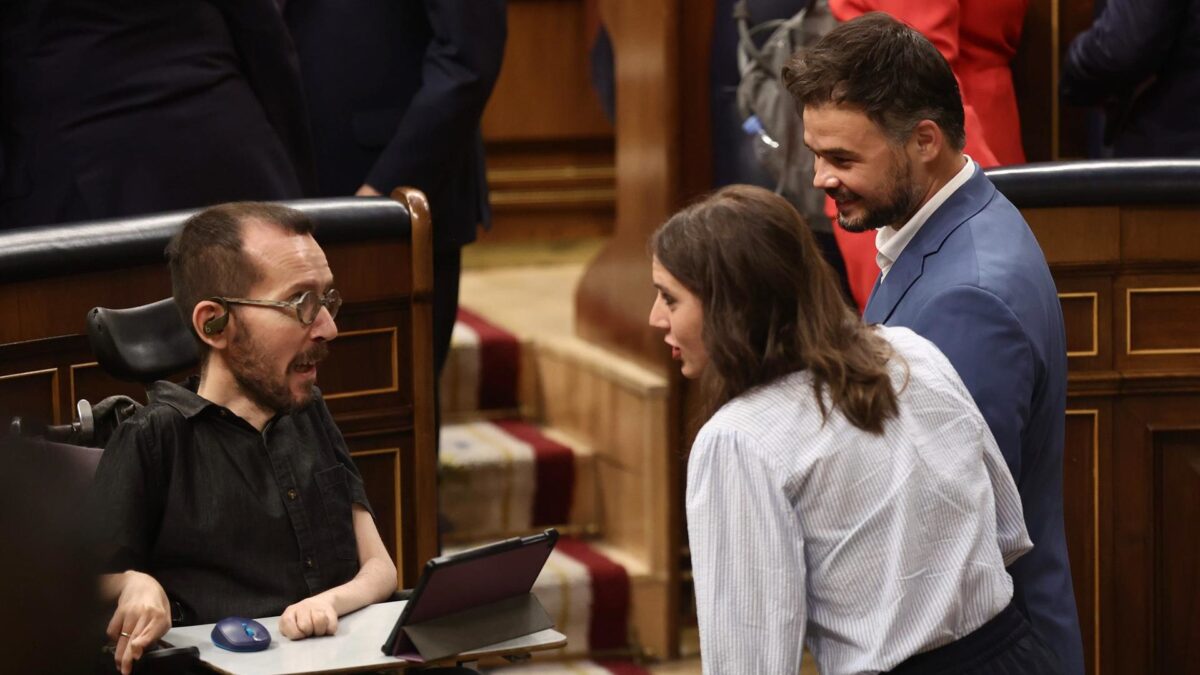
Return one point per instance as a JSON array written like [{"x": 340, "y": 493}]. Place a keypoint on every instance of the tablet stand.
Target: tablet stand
[{"x": 477, "y": 627}]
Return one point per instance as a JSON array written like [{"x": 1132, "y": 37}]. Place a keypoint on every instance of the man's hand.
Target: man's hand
[
  {"x": 311, "y": 616},
  {"x": 143, "y": 616},
  {"x": 367, "y": 191}
]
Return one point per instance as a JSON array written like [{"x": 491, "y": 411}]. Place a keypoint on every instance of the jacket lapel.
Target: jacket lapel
[{"x": 962, "y": 205}]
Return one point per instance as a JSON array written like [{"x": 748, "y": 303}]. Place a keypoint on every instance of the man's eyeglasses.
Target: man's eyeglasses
[{"x": 306, "y": 307}]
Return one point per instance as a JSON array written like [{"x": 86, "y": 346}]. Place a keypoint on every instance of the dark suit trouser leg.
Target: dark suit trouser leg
[
  {"x": 1005, "y": 645},
  {"x": 447, "y": 267}
]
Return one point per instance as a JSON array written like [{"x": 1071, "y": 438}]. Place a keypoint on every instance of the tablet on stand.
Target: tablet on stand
[{"x": 478, "y": 597}]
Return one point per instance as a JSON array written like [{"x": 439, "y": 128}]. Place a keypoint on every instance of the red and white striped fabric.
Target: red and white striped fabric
[
  {"x": 501, "y": 478},
  {"x": 587, "y": 596},
  {"x": 482, "y": 368}
]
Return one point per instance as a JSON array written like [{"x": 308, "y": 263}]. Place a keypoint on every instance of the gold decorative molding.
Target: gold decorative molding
[
  {"x": 397, "y": 504},
  {"x": 1095, "y": 298},
  {"x": 554, "y": 174},
  {"x": 71, "y": 379},
  {"x": 575, "y": 197},
  {"x": 394, "y": 357},
  {"x": 55, "y": 414},
  {"x": 1129, "y": 292},
  {"x": 1095, "y": 415}
]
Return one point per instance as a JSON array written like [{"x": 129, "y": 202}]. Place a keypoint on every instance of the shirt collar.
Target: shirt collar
[
  {"x": 890, "y": 243},
  {"x": 182, "y": 397}
]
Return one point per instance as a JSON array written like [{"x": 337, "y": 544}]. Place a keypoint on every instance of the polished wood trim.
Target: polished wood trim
[
  {"x": 54, "y": 388},
  {"x": 395, "y": 358},
  {"x": 541, "y": 175},
  {"x": 419, "y": 499},
  {"x": 574, "y": 197},
  {"x": 71, "y": 379},
  {"x": 1129, "y": 319},
  {"x": 1095, "y": 414},
  {"x": 395, "y": 453},
  {"x": 374, "y": 453},
  {"x": 1095, "y": 297}
]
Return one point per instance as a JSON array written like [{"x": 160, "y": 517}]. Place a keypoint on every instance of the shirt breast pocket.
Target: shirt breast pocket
[{"x": 339, "y": 518}]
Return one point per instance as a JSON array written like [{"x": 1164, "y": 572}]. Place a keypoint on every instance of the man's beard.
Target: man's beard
[
  {"x": 902, "y": 203},
  {"x": 252, "y": 373}
]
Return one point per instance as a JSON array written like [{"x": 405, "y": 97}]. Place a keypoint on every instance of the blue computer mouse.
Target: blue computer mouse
[{"x": 240, "y": 635}]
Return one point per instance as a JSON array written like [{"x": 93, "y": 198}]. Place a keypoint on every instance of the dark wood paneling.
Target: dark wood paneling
[
  {"x": 1164, "y": 320},
  {"x": 380, "y": 470},
  {"x": 1081, "y": 314},
  {"x": 1035, "y": 81},
  {"x": 1130, "y": 484},
  {"x": 1077, "y": 236},
  {"x": 1087, "y": 424},
  {"x": 1049, "y": 129},
  {"x": 549, "y": 144},
  {"x": 1159, "y": 235},
  {"x": 1177, "y": 617},
  {"x": 361, "y": 363},
  {"x": 544, "y": 91},
  {"x": 31, "y": 394},
  {"x": 1155, "y": 322},
  {"x": 551, "y": 190},
  {"x": 89, "y": 381},
  {"x": 1146, "y": 540}
]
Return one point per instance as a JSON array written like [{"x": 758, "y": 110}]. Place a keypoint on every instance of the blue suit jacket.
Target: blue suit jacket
[{"x": 975, "y": 283}]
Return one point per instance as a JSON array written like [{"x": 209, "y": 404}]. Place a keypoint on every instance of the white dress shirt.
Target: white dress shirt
[
  {"x": 889, "y": 243},
  {"x": 867, "y": 548}
]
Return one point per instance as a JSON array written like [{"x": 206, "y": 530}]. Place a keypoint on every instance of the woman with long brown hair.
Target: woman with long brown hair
[{"x": 846, "y": 492}]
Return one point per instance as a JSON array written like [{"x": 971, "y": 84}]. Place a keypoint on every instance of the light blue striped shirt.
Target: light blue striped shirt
[{"x": 866, "y": 548}]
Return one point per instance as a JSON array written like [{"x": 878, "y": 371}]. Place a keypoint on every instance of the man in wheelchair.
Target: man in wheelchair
[{"x": 234, "y": 493}]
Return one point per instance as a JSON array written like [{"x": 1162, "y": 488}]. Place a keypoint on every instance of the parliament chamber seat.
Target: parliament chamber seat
[
  {"x": 1123, "y": 241},
  {"x": 378, "y": 382}
]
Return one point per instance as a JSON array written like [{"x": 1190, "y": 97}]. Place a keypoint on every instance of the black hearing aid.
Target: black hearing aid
[{"x": 217, "y": 323}]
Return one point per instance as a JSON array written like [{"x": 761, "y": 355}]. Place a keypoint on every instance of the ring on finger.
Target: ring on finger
[{"x": 124, "y": 634}]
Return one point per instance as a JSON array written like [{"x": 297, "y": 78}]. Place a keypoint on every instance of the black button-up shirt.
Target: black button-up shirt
[{"x": 228, "y": 520}]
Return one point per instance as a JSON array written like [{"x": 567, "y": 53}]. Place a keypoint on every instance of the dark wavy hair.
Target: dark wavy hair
[
  {"x": 772, "y": 305},
  {"x": 884, "y": 68}
]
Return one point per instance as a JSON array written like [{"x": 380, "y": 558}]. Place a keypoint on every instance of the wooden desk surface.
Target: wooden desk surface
[{"x": 355, "y": 647}]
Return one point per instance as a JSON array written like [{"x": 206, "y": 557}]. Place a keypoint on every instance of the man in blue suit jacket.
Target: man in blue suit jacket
[
  {"x": 959, "y": 266},
  {"x": 395, "y": 92}
]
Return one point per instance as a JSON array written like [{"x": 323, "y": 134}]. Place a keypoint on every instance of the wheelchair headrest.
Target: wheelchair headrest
[{"x": 142, "y": 344}]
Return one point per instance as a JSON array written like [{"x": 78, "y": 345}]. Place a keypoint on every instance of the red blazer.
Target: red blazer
[{"x": 979, "y": 39}]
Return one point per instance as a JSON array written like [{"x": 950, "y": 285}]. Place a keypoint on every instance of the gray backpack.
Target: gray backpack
[{"x": 768, "y": 111}]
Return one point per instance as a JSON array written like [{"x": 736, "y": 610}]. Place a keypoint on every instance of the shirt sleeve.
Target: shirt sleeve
[
  {"x": 747, "y": 559},
  {"x": 126, "y": 498}
]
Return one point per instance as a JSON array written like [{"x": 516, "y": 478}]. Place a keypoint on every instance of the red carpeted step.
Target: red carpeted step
[
  {"x": 482, "y": 370},
  {"x": 554, "y": 472},
  {"x": 587, "y": 595},
  {"x": 609, "y": 627},
  {"x": 502, "y": 478}
]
